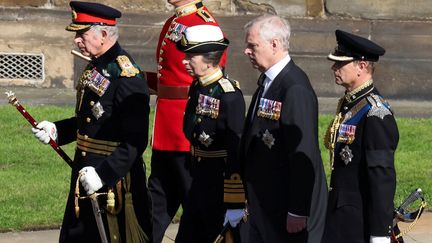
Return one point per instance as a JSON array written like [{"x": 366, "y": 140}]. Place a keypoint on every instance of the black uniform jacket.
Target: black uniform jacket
[
  {"x": 213, "y": 123},
  {"x": 363, "y": 179},
  {"x": 281, "y": 155},
  {"x": 111, "y": 129}
]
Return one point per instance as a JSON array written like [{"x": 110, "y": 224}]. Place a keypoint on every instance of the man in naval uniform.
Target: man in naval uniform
[
  {"x": 362, "y": 140},
  {"x": 213, "y": 123},
  {"x": 110, "y": 128},
  {"x": 170, "y": 180}
]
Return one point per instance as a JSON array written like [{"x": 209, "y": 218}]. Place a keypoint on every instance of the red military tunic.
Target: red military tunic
[{"x": 173, "y": 80}]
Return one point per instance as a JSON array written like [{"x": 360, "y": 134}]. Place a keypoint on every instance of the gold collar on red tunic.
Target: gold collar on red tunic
[{"x": 188, "y": 8}]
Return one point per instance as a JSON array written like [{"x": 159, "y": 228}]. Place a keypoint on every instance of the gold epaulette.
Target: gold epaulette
[
  {"x": 128, "y": 69},
  {"x": 234, "y": 190},
  {"x": 204, "y": 14},
  {"x": 226, "y": 85}
]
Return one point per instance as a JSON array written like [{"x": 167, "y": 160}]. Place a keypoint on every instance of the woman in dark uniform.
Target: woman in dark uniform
[{"x": 213, "y": 123}]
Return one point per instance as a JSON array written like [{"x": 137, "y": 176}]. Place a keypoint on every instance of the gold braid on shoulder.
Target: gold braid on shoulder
[{"x": 331, "y": 134}]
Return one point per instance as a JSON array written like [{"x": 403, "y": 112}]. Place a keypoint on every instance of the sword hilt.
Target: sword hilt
[{"x": 409, "y": 200}]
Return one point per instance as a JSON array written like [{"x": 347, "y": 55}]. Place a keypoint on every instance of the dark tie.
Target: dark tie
[{"x": 259, "y": 94}]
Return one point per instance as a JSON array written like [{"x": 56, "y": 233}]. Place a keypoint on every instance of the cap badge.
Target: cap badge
[
  {"x": 207, "y": 106},
  {"x": 346, "y": 155},
  {"x": 269, "y": 109},
  {"x": 74, "y": 15},
  {"x": 268, "y": 139},
  {"x": 205, "y": 139}
]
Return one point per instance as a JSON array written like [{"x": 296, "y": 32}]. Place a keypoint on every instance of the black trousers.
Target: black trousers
[
  {"x": 169, "y": 184},
  {"x": 204, "y": 212},
  {"x": 265, "y": 226}
]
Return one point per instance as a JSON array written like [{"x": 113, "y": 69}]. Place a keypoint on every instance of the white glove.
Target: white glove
[
  {"x": 233, "y": 216},
  {"x": 44, "y": 131},
  {"x": 379, "y": 239},
  {"x": 90, "y": 180}
]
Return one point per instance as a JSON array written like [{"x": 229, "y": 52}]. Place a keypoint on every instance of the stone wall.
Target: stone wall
[{"x": 403, "y": 27}]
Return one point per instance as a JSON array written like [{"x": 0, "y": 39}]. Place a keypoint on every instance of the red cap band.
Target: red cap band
[{"x": 87, "y": 18}]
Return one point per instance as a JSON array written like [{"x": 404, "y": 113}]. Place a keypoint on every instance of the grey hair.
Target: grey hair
[
  {"x": 111, "y": 30},
  {"x": 271, "y": 27},
  {"x": 370, "y": 67}
]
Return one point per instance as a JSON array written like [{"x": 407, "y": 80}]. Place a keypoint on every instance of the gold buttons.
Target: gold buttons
[
  {"x": 330, "y": 188},
  {"x": 92, "y": 103},
  {"x": 83, "y": 153},
  {"x": 85, "y": 137},
  {"x": 88, "y": 119},
  {"x": 199, "y": 120},
  {"x": 210, "y": 90},
  {"x": 194, "y": 135},
  {"x": 159, "y": 67},
  {"x": 199, "y": 159}
]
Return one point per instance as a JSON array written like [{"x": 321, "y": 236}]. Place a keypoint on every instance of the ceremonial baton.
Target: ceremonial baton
[
  {"x": 14, "y": 101},
  {"x": 227, "y": 226},
  {"x": 221, "y": 235}
]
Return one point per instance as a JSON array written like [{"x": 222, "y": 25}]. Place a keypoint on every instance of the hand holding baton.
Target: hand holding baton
[
  {"x": 225, "y": 232},
  {"x": 14, "y": 101}
]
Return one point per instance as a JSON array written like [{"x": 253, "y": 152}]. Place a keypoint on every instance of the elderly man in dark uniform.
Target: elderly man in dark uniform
[
  {"x": 110, "y": 128},
  {"x": 285, "y": 181},
  {"x": 170, "y": 179},
  {"x": 213, "y": 123},
  {"x": 362, "y": 140}
]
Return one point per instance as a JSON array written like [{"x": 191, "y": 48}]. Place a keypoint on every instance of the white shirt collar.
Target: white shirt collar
[{"x": 273, "y": 71}]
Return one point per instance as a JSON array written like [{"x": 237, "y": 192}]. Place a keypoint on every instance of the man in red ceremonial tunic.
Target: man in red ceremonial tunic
[{"x": 170, "y": 180}]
